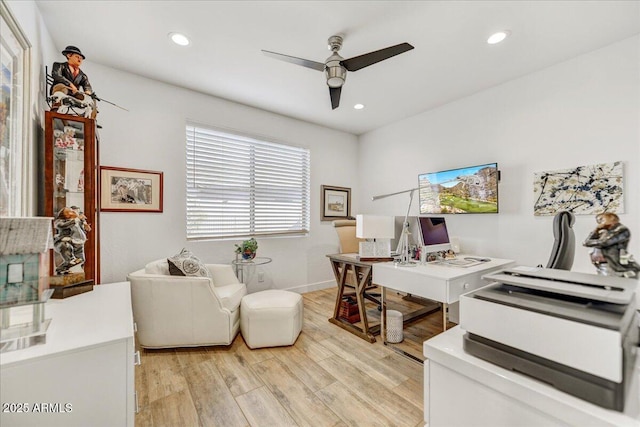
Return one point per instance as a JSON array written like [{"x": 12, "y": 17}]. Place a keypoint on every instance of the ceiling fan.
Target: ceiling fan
[{"x": 336, "y": 67}]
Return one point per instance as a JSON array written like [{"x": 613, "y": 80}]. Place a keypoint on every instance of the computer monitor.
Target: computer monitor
[{"x": 434, "y": 233}]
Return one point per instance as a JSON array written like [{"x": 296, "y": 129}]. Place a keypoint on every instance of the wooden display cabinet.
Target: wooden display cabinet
[{"x": 71, "y": 179}]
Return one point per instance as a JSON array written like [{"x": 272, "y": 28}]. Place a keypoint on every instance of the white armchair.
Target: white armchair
[{"x": 185, "y": 311}]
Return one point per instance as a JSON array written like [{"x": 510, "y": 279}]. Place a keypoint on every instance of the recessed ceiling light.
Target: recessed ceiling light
[
  {"x": 179, "y": 39},
  {"x": 358, "y": 106},
  {"x": 498, "y": 37}
]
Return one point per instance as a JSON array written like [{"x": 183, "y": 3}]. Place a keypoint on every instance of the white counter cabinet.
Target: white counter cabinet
[
  {"x": 84, "y": 374},
  {"x": 462, "y": 390}
]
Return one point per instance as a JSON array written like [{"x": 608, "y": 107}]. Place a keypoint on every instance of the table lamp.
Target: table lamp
[{"x": 378, "y": 230}]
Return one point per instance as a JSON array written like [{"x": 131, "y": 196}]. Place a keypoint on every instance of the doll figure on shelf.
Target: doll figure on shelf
[
  {"x": 69, "y": 138},
  {"x": 71, "y": 91},
  {"x": 69, "y": 238},
  {"x": 59, "y": 185},
  {"x": 68, "y": 78},
  {"x": 609, "y": 241},
  {"x": 58, "y": 136},
  {"x": 81, "y": 181}
]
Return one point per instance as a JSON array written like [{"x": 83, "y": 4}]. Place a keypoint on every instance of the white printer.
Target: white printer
[{"x": 578, "y": 332}]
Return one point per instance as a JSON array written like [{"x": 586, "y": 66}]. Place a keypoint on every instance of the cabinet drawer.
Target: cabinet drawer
[{"x": 466, "y": 284}]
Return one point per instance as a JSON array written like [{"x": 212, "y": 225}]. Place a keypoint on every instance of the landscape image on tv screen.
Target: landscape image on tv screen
[{"x": 466, "y": 190}]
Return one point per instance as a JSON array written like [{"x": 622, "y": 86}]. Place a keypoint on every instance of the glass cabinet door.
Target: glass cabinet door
[
  {"x": 70, "y": 193},
  {"x": 68, "y": 165}
]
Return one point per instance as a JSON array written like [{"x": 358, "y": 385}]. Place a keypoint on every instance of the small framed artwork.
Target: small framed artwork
[
  {"x": 336, "y": 203},
  {"x": 130, "y": 190}
]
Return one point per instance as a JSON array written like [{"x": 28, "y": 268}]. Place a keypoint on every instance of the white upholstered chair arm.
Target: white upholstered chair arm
[
  {"x": 179, "y": 311},
  {"x": 222, "y": 274}
]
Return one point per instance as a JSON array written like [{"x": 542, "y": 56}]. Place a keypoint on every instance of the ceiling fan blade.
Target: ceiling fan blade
[
  {"x": 294, "y": 60},
  {"x": 335, "y": 96},
  {"x": 358, "y": 62}
]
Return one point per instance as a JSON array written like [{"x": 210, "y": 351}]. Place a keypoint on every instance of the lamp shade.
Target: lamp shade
[{"x": 375, "y": 227}]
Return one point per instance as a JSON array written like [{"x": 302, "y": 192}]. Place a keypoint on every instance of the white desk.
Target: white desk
[
  {"x": 84, "y": 373},
  {"x": 439, "y": 283},
  {"x": 462, "y": 390}
]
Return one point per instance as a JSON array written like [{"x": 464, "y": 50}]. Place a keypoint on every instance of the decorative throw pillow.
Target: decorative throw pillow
[{"x": 187, "y": 264}]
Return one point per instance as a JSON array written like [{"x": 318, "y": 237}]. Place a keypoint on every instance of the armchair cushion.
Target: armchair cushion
[
  {"x": 230, "y": 296},
  {"x": 160, "y": 266},
  {"x": 222, "y": 274},
  {"x": 186, "y": 263}
]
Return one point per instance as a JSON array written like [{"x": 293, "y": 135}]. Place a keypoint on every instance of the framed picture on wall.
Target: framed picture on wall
[
  {"x": 335, "y": 203},
  {"x": 130, "y": 190}
]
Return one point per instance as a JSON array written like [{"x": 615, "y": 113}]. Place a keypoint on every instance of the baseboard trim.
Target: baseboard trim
[{"x": 313, "y": 287}]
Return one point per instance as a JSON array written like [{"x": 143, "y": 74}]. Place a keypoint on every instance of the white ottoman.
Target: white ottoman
[{"x": 271, "y": 318}]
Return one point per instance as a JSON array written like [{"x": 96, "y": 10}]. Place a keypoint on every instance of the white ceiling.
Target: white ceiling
[{"x": 451, "y": 58}]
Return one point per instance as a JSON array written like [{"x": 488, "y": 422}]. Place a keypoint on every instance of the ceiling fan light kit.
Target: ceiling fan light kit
[
  {"x": 336, "y": 67},
  {"x": 336, "y": 73}
]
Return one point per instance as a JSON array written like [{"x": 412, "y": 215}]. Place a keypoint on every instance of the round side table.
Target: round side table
[{"x": 239, "y": 265}]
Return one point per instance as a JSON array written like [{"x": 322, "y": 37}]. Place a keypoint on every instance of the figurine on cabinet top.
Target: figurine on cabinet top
[
  {"x": 68, "y": 79},
  {"x": 67, "y": 76},
  {"x": 609, "y": 241}
]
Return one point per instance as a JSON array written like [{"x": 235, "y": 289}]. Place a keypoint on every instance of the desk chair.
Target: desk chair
[
  {"x": 564, "y": 243},
  {"x": 349, "y": 243}
]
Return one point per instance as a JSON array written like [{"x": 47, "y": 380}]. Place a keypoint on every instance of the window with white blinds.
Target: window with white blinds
[{"x": 238, "y": 186}]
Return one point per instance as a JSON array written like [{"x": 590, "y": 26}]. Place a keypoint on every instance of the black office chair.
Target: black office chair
[{"x": 564, "y": 244}]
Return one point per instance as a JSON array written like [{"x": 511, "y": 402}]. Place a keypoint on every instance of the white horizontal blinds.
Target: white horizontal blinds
[{"x": 239, "y": 186}]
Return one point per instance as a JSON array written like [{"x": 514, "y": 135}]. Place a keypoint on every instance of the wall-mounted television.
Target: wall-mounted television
[{"x": 471, "y": 189}]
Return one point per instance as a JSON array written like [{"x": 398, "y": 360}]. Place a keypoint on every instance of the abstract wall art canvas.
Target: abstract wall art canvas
[{"x": 585, "y": 190}]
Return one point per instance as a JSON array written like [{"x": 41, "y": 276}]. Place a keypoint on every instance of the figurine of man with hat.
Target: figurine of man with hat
[{"x": 67, "y": 76}]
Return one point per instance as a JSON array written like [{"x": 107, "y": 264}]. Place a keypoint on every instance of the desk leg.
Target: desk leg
[
  {"x": 340, "y": 271},
  {"x": 445, "y": 317},
  {"x": 383, "y": 315},
  {"x": 365, "y": 275},
  {"x": 341, "y": 277}
]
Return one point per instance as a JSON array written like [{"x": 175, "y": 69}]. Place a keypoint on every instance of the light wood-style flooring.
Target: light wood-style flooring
[{"x": 329, "y": 377}]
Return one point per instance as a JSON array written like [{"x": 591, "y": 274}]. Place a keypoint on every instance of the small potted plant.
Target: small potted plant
[{"x": 247, "y": 249}]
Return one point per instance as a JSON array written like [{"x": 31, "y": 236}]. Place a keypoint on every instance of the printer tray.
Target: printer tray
[{"x": 591, "y": 388}]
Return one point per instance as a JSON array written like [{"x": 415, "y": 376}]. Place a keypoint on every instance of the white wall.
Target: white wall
[
  {"x": 583, "y": 111},
  {"x": 580, "y": 112},
  {"x": 151, "y": 136}
]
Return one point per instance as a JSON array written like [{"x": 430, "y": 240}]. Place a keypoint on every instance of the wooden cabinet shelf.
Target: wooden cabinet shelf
[{"x": 71, "y": 180}]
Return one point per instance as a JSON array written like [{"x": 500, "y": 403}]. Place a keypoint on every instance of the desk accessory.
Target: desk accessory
[{"x": 404, "y": 240}]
